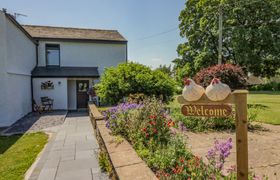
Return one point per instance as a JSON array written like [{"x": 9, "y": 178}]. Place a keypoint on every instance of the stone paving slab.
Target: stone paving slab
[
  {"x": 72, "y": 153},
  {"x": 263, "y": 146}
]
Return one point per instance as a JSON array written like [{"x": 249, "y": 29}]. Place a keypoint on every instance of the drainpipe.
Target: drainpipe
[{"x": 32, "y": 96}]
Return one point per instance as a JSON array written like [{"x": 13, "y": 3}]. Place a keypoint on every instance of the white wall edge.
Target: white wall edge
[{"x": 18, "y": 73}]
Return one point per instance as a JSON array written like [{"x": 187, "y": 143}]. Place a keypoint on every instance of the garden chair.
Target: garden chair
[
  {"x": 47, "y": 102},
  {"x": 38, "y": 108}
]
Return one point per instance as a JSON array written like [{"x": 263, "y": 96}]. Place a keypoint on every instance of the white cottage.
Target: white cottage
[{"x": 58, "y": 62}]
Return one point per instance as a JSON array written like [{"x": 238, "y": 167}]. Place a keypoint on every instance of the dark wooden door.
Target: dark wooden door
[{"x": 82, "y": 96}]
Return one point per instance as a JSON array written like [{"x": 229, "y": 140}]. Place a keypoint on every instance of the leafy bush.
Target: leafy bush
[
  {"x": 132, "y": 78},
  {"x": 152, "y": 133},
  {"x": 229, "y": 74},
  {"x": 271, "y": 86}
]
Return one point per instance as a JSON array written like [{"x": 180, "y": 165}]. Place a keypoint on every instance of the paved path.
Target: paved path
[
  {"x": 72, "y": 152},
  {"x": 264, "y": 149}
]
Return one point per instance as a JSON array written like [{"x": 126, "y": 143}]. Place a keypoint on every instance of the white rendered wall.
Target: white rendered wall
[
  {"x": 17, "y": 59},
  {"x": 59, "y": 93},
  {"x": 81, "y": 54},
  {"x": 4, "y": 121}
]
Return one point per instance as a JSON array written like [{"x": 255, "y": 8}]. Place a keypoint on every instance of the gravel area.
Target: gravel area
[
  {"x": 263, "y": 146},
  {"x": 36, "y": 122}
]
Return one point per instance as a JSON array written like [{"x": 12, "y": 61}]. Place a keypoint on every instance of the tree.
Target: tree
[
  {"x": 133, "y": 78},
  {"x": 251, "y": 35},
  {"x": 165, "y": 69}
]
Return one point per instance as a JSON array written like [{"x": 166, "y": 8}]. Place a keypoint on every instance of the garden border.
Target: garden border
[{"x": 126, "y": 164}]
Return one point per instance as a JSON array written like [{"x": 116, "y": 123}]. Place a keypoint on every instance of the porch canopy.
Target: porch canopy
[{"x": 67, "y": 72}]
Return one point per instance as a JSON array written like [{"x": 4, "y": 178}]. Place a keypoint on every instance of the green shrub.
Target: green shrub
[
  {"x": 271, "y": 86},
  {"x": 132, "y": 78},
  {"x": 229, "y": 74}
]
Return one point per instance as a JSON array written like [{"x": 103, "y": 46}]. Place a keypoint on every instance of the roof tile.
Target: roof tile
[{"x": 73, "y": 33}]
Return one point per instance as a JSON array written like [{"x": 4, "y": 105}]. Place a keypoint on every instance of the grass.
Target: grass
[
  {"x": 17, "y": 153},
  {"x": 269, "y": 106}
]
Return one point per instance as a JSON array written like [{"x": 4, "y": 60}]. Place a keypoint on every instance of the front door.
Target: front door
[{"x": 82, "y": 96}]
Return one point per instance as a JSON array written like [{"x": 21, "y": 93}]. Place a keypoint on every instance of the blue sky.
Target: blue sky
[{"x": 150, "y": 26}]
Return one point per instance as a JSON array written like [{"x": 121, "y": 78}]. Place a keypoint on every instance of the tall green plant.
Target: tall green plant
[{"x": 132, "y": 78}]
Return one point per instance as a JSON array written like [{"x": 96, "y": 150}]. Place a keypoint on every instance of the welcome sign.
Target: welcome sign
[
  {"x": 205, "y": 107},
  {"x": 207, "y": 110}
]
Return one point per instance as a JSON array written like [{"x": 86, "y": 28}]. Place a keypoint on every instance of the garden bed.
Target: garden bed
[
  {"x": 124, "y": 161},
  {"x": 157, "y": 140}
]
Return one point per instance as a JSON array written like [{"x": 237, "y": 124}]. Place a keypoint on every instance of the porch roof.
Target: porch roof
[{"x": 91, "y": 72}]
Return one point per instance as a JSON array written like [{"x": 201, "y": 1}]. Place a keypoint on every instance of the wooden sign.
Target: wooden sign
[
  {"x": 205, "y": 107},
  {"x": 206, "y": 110}
]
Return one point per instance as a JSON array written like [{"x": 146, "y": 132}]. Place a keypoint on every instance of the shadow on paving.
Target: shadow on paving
[
  {"x": 33, "y": 122},
  {"x": 77, "y": 113}
]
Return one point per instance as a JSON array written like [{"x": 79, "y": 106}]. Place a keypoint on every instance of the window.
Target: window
[{"x": 52, "y": 55}]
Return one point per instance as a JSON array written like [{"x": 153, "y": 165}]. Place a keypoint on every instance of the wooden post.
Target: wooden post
[{"x": 240, "y": 98}]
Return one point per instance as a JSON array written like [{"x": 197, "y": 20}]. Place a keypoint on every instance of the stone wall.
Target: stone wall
[{"x": 126, "y": 163}]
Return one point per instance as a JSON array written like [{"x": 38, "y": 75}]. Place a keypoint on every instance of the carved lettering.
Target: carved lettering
[{"x": 207, "y": 110}]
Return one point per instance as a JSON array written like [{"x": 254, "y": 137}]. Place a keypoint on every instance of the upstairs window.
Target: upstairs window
[{"x": 52, "y": 54}]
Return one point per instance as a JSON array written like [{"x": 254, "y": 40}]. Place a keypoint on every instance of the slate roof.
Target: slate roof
[
  {"x": 65, "y": 72},
  {"x": 50, "y": 32}
]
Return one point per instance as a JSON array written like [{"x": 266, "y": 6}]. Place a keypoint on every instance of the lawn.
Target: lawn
[
  {"x": 17, "y": 153},
  {"x": 269, "y": 106}
]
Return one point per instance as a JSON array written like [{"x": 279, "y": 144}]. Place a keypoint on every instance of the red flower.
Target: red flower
[
  {"x": 144, "y": 129},
  {"x": 147, "y": 135},
  {"x": 166, "y": 174},
  {"x": 152, "y": 117},
  {"x": 171, "y": 123},
  {"x": 182, "y": 160},
  {"x": 155, "y": 131}
]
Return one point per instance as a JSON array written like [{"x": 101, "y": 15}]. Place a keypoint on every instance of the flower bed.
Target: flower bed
[{"x": 154, "y": 136}]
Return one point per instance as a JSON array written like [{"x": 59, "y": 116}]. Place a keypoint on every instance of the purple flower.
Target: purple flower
[
  {"x": 113, "y": 113},
  {"x": 219, "y": 153},
  {"x": 107, "y": 124},
  {"x": 181, "y": 126}
]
